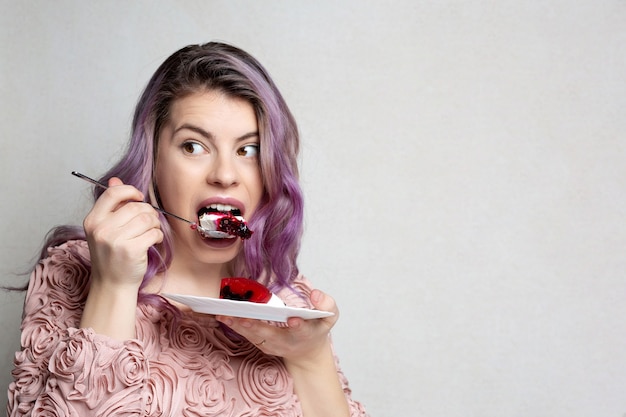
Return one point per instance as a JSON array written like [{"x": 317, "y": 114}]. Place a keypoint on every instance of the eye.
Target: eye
[
  {"x": 249, "y": 151},
  {"x": 191, "y": 148}
]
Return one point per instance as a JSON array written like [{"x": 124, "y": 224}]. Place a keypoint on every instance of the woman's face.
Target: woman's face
[{"x": 208, "y": 153}]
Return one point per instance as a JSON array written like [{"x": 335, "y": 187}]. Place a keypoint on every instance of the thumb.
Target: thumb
[
  {"x": 113, "y": 181},
  {"x": 323, "y": 301}
]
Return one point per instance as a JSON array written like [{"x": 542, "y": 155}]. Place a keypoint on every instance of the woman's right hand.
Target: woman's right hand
[{"x": 120, "y": 229}]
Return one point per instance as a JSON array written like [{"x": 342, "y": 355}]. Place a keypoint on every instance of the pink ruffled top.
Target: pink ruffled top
[{"x": 187, "y": 367}]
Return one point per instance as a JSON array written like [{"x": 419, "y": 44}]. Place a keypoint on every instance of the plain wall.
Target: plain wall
[{"x": 463, "y": 164}]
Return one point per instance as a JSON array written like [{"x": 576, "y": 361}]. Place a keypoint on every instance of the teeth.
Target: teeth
[{"x": 222, "y": 207}]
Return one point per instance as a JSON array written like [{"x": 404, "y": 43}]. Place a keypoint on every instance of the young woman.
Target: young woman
[{"x": 210, "y": 130}]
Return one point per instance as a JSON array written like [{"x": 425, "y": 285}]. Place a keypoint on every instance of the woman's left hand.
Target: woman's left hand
[{"x": 300, "y": 342}]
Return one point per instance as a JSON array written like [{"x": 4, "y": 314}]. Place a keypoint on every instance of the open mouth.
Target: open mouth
[
  {"x": 222, "y": 221},
  {"x": 219, "y": 208}
]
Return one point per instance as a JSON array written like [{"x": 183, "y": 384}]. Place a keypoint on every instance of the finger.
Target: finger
[
  {"x": 241, "y": 324},
  {"x": 325, "y": 302},
  {"x": 134, "y": 219},
  {"x": 114, "y": 181},
  {"x": 321, "y": 301},
  {"x": 111, "y": 200},
  {"x": 295, "y": 323},
  {"x": 114, "y": 198},
  {"x": 129, "y": 221},
  {"x": 135, "y": 194},
  {"x": 253, "y": 330},
  {"x": 145, "y": 227},
  {"x": 147, "y": 239}
]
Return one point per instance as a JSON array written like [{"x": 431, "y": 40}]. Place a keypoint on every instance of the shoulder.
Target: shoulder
[
  {"x": 67, "y": 262},
  {"x": 70, "y": 251},
  {"x": 62, "y": 276}
]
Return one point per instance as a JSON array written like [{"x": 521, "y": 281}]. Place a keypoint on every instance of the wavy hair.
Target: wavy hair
[{"x": 270, "y": 254}]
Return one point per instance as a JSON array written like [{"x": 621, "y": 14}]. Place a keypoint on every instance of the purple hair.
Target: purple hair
[{"x": 270, "y": 254}]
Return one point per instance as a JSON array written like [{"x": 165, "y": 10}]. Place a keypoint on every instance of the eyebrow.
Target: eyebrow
[{"x": 209, "y": 136}]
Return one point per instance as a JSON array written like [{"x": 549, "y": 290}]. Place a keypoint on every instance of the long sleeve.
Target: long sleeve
[
  {"x": 63, "y": 370},
  {"x": 181, "y": 364}
]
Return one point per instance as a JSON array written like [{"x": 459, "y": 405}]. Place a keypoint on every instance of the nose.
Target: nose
[{"x": 223, "y": 172}]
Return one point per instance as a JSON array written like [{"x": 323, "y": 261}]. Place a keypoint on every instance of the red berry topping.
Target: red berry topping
[
  {"x": 229, "y": 222},
  {"x": 244, "y": 289},
  {"x": 233, "y": 226}
]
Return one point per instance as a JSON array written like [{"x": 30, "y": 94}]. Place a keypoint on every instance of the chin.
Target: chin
[{"x": 218, "y": 255}]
